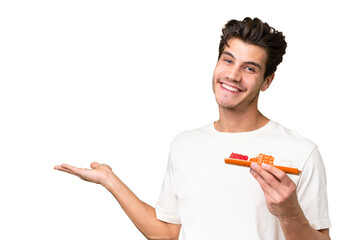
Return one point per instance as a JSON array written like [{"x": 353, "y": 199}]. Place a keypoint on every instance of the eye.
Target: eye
[
  {"x": 250, "y": 69},
  {"x": 227, "y": 61}
]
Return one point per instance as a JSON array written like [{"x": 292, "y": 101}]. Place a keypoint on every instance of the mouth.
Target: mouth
[{"x": 230, "y": 88}]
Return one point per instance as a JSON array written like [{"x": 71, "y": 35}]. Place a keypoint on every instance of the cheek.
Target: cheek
[
  {"x": 218, "y": 71},
  {"x": 215, "y": 79},
  {"x": 251, "y": 82},
  {"x": 213, "y": 84}
]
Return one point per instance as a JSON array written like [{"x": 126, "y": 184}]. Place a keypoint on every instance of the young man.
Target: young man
[{"x": 209, "y": 199}]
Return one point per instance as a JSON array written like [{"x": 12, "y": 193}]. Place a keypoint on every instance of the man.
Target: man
[{"x": 209, "y": 199}]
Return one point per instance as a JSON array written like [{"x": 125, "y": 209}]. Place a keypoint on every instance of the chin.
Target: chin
[{"x": 226, "y": 105}]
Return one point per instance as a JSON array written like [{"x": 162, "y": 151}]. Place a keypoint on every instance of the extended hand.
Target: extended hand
[
  {"x": 279, "y": 191},
  {"x": 97, "y": 174}
]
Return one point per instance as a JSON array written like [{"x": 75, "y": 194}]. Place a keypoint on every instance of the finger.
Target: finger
[
  {"x": 94, "y": 165},
  {"x": 284, "y": 186},
  {"x": 58, "y": 167},
  {"x": 279, "y": 174},
  {"x": 62, "y": 167},
  {"x": 266, "y": 180},
  {"x": 271, "y": 179},
  {"x": 82, "y": 173},
  {"x": 270, "y": 193},
  {"x": 69, "y": 168},
  {"x": 79, "y": 172}
]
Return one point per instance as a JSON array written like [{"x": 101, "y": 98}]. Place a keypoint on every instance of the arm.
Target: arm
[
  {"x": 140, "y": 213},
  {"x": 281, "y": 200}
]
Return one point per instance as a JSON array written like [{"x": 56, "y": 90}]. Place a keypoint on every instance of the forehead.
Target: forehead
[{"x": 245, "y": 52}]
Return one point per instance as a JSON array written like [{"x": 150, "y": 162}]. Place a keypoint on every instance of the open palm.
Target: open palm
[{"x": 97, "y": 173}]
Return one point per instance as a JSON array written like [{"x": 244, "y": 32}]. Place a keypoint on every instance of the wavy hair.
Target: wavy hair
[{"x": 256, "y": 32}]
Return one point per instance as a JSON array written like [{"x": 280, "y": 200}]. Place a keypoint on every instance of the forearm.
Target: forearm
[
  {"x": 298, "y": 228},
  {"x": 140, "y": 213},
  {"x": 282, "y": 201}
]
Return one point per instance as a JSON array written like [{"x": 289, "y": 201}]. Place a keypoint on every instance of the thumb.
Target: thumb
[{"x": 94, "y": 165}]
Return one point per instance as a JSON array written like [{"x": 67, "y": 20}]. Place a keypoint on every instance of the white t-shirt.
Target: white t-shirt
[{"x": 214, "y": 200}]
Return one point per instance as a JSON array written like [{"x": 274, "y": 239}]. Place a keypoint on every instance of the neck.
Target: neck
[{"x": 237, "y": 121}]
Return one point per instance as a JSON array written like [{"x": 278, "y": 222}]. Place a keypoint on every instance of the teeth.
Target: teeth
[{"x": 230, "y": 88}]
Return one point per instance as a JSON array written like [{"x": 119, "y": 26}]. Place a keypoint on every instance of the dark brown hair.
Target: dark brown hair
[{"x": 254, "y": 31}]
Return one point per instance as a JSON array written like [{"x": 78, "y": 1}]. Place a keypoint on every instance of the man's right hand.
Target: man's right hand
[
  {"x": 97, "y": 174},
  {"x": 139, "y": 212}
]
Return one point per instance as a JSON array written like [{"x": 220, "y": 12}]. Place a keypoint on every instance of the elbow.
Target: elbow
[
  {"x": 163, "y": 238},
  {"x": 162, "y": 231}
]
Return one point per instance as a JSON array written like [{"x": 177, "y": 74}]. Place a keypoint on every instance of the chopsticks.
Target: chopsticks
[{"x": 245, "y": 163}]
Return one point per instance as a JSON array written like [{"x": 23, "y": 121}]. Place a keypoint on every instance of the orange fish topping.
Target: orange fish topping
[{"x": 262, "y": 158}]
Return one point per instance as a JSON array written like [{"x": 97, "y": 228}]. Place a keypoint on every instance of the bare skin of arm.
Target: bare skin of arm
[
  {"x": 140, "y": 213},
  {"x": 282, "y": 201}
]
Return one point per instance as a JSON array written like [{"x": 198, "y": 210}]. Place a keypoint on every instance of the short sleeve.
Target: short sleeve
[
  {"x": 312, "y": 193},
  {"x": 167, "y": 205}
]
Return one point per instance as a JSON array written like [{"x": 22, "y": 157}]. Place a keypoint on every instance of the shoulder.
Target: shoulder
[
  {"x": 289, "y": 147},
  {"x": 191, "y": 137},
  {"x": 192, "y": 133},
  {"x": 291, "y": 136}
]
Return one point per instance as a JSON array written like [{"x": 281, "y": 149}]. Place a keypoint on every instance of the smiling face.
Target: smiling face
[{"x": 239, "y": 76}]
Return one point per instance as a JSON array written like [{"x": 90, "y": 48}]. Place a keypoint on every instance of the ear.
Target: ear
[{"x": 267, "y": 82}]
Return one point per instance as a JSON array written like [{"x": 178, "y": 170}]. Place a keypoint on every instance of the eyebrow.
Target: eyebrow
[{"x": 249, "y": 62}]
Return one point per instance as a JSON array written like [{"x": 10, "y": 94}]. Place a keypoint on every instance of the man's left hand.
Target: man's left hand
[{"x": 279, "y": 191}]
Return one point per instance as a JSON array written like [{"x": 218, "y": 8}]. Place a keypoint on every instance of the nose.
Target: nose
[{"x": 234, "y": 74}]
